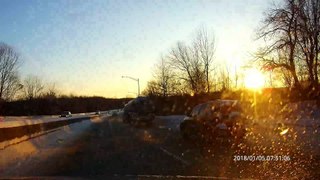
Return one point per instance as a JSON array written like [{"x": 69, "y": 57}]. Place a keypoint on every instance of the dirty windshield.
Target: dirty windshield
[{"x": 140, "y": 89}]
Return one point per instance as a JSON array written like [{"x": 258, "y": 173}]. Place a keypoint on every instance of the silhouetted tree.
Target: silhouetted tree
[
  {"x": 165, "y": 80},
  {"x": 186, "y": 69},
  {"x": 9, "y": 81},
  {"x": 189, "y": 67},
  {"x": 281, "y": 33},
  {"x": 152, "y": 89},
  {"x": 224, "y": 78},
  {"x": 204, "y": 48},
  {"x": 309, "y": 37},
  {"x": 32, "y": 87},
  {"x": 292, "y": 32},
  {"x": 13, "y": 87},
  {"x": 50, "y": 91}
]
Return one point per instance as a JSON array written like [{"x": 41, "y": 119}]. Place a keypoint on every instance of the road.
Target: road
[{"x": 104, "y": 147}]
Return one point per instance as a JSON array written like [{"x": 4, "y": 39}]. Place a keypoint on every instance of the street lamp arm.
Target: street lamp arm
[{"x": 135, "y": 79}]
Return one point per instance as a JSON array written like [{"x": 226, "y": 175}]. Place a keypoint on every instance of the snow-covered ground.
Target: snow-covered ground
[
  {"x": 15, "y": 121},
  {"x": 43, "y": 146}
]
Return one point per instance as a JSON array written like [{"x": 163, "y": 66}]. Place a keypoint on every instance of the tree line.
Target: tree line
[
  {"x": 54, "y": 106},
  {"x": 31, "y": 96},
  {"x": 291, "y": 32},
  {"x": 190, "y": 68},
  {"x": 12, "y": 86}
]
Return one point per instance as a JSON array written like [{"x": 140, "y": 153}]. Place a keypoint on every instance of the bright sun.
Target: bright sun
[{"x": 254, "y": 79}]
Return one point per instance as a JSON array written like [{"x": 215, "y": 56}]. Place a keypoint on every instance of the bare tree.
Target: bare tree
[
  {"x": 33, "y": 87},
  {"x": 51, "y": 91},
  {"x": 309, "y": 31},
  {"x": 236, "y": 77},
  {"x": 224, "y": 77},
  {"x": 187, "y": 65},
  {"x": 165, "y": 82},
  {"x": 294, "y": 32},
  {"x": 180, "y": 59},
  {"x": 152, "y": 89},
  {"x": 190, "y": 69},
  {"x": 204, "y": 46},
  {"x": 286, "y": 78},
  {"x": 281, "y": 27},
  {"x": 8, "y": 76},
  {"x": 165, "y": 78},
  {"x": 14, "y": 86}
]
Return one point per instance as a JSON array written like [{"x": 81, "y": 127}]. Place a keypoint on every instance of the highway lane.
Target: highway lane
[
  {"x": 92, "y": 148},
  {"x": 104, "y": 147}
]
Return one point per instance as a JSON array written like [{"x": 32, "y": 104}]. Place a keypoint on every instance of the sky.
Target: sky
[{"x": 86, "y": 46}]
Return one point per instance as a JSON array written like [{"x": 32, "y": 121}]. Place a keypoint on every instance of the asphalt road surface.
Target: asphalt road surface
[{"x": 104, "y": 147}]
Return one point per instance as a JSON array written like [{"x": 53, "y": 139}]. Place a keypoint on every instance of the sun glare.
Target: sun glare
[{"x": 254, "y": 79}]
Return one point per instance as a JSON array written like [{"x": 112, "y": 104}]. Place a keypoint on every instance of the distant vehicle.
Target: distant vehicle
[
  {"x": 97, "y": 112},
  {"x": 139, "y": 110},
  {"x": 214, "y": 120},
  {"x": 66, "y": 114}
]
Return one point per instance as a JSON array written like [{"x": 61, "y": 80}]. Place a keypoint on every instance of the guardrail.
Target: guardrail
[
  {"x": 7, "y": 133},
  {"x": 15, "y": 131},
  {"x": 14, "y": 134}
]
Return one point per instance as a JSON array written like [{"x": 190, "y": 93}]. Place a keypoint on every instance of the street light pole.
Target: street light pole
[
  {"x": 138, "y": 87},
  {"x": 135, "y": 79}
]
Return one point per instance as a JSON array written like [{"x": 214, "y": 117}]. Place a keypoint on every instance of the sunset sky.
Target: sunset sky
[{"x": 86, "y": 46}]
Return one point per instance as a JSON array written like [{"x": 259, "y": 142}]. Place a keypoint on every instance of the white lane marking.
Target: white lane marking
[{"x": 174, "y": 156}]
